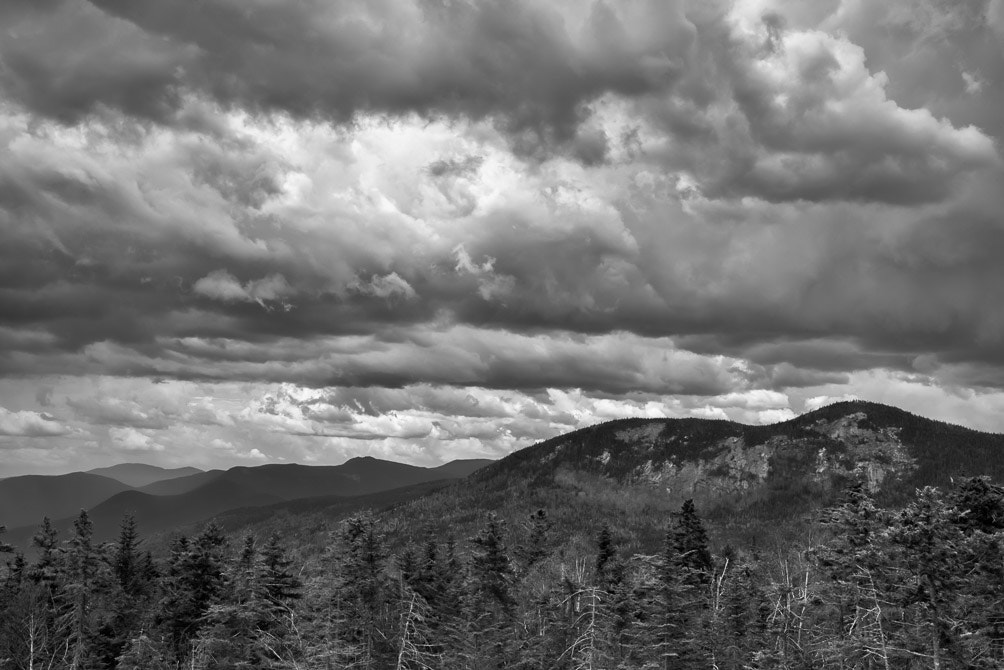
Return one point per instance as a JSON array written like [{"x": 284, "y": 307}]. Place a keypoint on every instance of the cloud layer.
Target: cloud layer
[{"x": 607, "y": 208}]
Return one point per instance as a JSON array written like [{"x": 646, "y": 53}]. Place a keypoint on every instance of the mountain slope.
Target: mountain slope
[
  {"x": 28, "y": 498},
  {"x": 153, "y": 513},
  {"x": 755, "y": 485},
  {"x": 460, "y": 468},
  {"x": 141, "y": 474},
  {"x": 207, "y": 494},
  {"x": 358, "y": 476}
]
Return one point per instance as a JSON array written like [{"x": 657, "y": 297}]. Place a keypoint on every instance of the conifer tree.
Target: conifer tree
[
  {"x": 77, "y": 592},
  {"x": 195, "y": 582},
  {"x": 489, "y": 600},
  {"x": 142, "y": 653},
  {"x": 535, "y": 546},
  {"x": 126, "y": 560},
  {"x": 605, "y": 573},
  {"x": 353, "y": 622},
  {"x": 229, "y": 632},
  {"x": 46, "y": 546},
  {"x": 691, "y": 540},
  {"x": 276, "y": 578}
]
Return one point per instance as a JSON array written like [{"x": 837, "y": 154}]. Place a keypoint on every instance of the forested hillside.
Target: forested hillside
[{"x": 921, "y": 587}]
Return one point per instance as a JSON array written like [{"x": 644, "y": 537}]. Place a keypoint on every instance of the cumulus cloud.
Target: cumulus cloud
[
  {"x": 26, "y": 423},
  {"x": 131, "y": 439},
  {"x": 223, "y": 286},
  {"x": 389, "y": 286}
]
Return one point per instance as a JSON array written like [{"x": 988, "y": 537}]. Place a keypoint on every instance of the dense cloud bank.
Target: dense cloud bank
[{"x": 637, "y": 202}]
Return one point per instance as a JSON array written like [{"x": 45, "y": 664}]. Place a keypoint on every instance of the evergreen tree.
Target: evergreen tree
[
  {"x": 126, "y": 560},
  {"x": 277, "y": 580},
  {"x": 46, "y": 545},
  {"x": 81, "y": 574},
  {"x": 605, "y": 575},
  {"x": 691, "y": 544},
  {"x": 142, "y": 653},
  {"x": 535, "y": 546},
  {"x": 195, "y": 582},
  {"x": 489, "y": 600},
  {"x": 229, "y": 631},
  {"x": 353, "y": 608}
]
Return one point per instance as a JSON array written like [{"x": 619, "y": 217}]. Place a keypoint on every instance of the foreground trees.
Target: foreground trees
[{"x": 922, "y": 587}]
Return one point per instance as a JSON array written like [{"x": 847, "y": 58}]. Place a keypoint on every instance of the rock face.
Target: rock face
[
  {"x": 835, "y": 453},
  {"x": 783, "y": 467}
]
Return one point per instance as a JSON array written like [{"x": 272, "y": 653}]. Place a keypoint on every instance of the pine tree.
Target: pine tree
[
  {"x": 46, "y": 545},
  {"x": 669, "y": 628},
  {"x": 81, "y": 574},
  {"x": 605, "y": 575},
  {"x": 278, "y": 582},
  {"x": 195, "y": 582},
  {"x": 229, "y": 629},
  {"x": 127, "y": 561},
  {"x": 142, "y": 653},
  {"x": 353, "y": 613},
  {"x": 691, "y": 540},
  {"x": 489, "y": 602},
  {"x": 534, "y": 548}
]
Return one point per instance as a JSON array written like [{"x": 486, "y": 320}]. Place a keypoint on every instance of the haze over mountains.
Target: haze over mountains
[
  {"x": 182, "y": 498},
  {"x": 141, "y": 474}
]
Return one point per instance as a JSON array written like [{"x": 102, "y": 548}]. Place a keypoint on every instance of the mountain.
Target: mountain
[
  {"x": 357, "y": 476},
  {"x": 153, "y": 513},
  {"x": 28, "y": 498},
  {"x": 460, "y": 468},
  {"x": 168, "y": 504},
  {"x": 312, "y": 518},
  {"x": 756, "y": 486},
  {"x": 141, "y": 474}
]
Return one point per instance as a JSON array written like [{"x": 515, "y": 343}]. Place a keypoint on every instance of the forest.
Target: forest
[{"x": 921, "y": 586}]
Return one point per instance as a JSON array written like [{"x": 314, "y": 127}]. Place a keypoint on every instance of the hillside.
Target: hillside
[
  {"x": 141, "y": 474},
  {"x": 154, "y": 514},
  {"x": 357, "y": 476},
  {"x": 202, "y": 495},
  {"x": 755, "y": 485},
  {"x": 26, "y": 499}
]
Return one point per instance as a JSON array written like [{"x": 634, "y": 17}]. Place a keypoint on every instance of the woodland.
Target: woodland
[{"x": 921, "y": 586}]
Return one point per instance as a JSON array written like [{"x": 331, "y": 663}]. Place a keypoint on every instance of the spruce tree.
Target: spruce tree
[
  {"x": 534, "y": 547},
  {"x": 81, "y": 573},
  {"x": 142, "y": 653},
  {"x": 46, "y": 545},
  {"x": 489, "y": 599}
]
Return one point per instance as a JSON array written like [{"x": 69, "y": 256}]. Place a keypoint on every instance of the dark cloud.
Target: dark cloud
[
  {"x": 67, "y": 59},
  {"x": 419, "y": 207},
  {"x": 455, "y": 166},
  {"x": 525, "y": 65}
]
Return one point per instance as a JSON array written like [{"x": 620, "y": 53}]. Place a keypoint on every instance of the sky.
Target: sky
[{"x": 235, "y": 232}]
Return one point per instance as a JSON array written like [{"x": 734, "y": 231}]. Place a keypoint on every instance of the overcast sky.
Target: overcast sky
[{"x": 248, "y": 231}]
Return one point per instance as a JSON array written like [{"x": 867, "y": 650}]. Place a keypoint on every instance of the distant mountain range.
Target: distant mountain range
[
  {"x": 182, "y": 498},
  {"x": 141, "y": 474},
  {"x": 753, "y": 484},
  {"x": 28, "y": 498}
]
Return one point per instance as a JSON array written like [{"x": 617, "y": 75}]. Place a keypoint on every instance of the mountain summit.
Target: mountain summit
[{"x": 633, "y": 473}]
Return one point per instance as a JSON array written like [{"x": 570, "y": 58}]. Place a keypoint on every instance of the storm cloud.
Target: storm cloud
[{"x": 372, "y": 213}]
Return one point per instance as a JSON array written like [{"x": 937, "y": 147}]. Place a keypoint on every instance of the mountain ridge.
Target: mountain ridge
[
  {"x": 185, "y": 500},
  {"x": 141, "y": 474}
]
